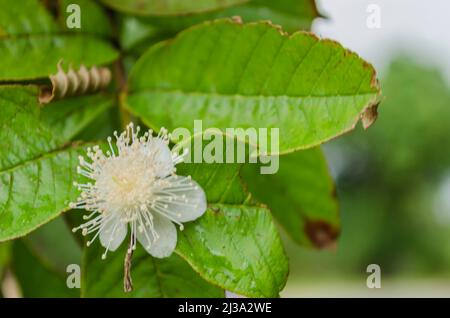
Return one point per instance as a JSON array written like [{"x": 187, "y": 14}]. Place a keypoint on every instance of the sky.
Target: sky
[{"x": 419, "y": 28}]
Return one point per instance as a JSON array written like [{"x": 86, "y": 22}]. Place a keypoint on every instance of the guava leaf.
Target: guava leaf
[
  {"x": 137, "y": 33},
  {"x": 37, "y": 56},
  {"x": 235, "y": 243},
  {"x": 254, "y": 75},
  {"x": 93, "y": 18},
  {"x": 35, "y": 278},
  {"x": 55, "y": 245},
  {"x": 36, "y": 170},
  {"x": 174, "y": 7},
  {"x": 36, "y": 191},
  {"x": 25, "y": 17},
  {"x": 32, "y": 43},
  {"x": 5, "y": 255},
  {"x": 169, "y": 277},
  {"x": 301, "y": 196},
  {"x": 293, "y": 15},
  {"x": 69, "y": 117}
]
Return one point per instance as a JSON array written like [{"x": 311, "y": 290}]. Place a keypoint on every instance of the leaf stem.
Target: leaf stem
[
  {"x": 127, "y": 281},
  {"x": 121, "y": 79}
]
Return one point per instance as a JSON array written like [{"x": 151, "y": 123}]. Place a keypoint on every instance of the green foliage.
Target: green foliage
[
  {"x": 94, "y": 19},
  {"x": 37, "y": 54},
  {"x": 36, "y": 171},
  {"x": 30, "y": 17},
  {"x": 419, "y": 142},
  {"x": 301, "y": 196},
  {"x": 392, "y": 183},
  {"x": 139, "y": 32},
  {"x": 407, "y": 181},
  {"x": 56, "y": 254},
  {"x": 68, "y": 118},
  {"x": 35, "y": 279},
  {"x": 177, "y": 7},
  {"x": 36, "y": 57},
  {"x": 169, "y": 277},
  {"x": 5, "y": 252},
  {"x": 235, "y": 244},
  {"x": 272, "y": 81},
  {"x": 225, "y": 72}
]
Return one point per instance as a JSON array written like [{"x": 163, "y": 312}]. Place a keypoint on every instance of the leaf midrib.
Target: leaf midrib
[
  {"x": 223, "y": 95},
  {"x": 43, "y": 156},
  {"x": 50, "y": 34}
]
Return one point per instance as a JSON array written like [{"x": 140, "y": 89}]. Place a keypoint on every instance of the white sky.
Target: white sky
[{"x": 420, "y": 28}]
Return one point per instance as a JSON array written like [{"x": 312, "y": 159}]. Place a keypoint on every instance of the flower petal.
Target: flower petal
[
  {"x": 113, "y": 233},
  {"x": 187, "y": 202},
  {"x": 162, "y": 157},
  {"x": 166, "y": 242}
]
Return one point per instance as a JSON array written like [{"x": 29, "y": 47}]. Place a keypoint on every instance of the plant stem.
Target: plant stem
[
  {"x": 127, "y": 281},
  {"x": 121, "y": 79}
]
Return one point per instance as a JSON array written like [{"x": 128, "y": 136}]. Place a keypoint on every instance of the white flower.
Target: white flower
[{"x": 134, "y": 185}]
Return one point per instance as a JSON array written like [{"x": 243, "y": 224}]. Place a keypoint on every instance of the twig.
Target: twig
[
  {"x": 127, "y": 281},
  {"x": 121, "y": 79}
]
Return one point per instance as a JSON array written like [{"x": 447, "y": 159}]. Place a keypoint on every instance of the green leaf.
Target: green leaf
[
  {"x": 36, "y": 172},
  {"x": 253, "y": 75},
  {"x": 5, "y": 252},
  {"x": 24, "y": 17},
  {"x": 293, "y": 15},
  {"x": 31, "y": 42},
  {"x": 58, "y": 253},
  {"x": 36, "y": 191},
  {"x": 37, "y": 56},
  {"x": 221, "y": 182},
  {"x": 235, "y": 243},
  {"x": 93, "y": 19},
  {"x": 301, "y": 196},
  {"x": 69, "y": 117},
  {"x": 237, "y": 247},
  {"x": 102, "y": 127},
  {"x": 174, "y": 7},
  {"x": 138, "y": 33},
  {"x": 169, "y": 277},
  {"x": 35, "y": 279},
  {"x": 22, "y": 133}
]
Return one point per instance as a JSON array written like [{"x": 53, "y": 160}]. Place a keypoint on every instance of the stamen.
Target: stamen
[{"x": 126, "y": 186}]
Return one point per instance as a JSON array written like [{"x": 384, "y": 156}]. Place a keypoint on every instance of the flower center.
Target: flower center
[{"x": 126, "y": 182}]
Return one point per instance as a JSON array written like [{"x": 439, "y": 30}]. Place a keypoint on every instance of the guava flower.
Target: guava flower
[{"x": 134, "y": 185}]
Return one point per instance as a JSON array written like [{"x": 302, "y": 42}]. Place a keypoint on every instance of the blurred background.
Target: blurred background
[{"x": 393, "y": 181}]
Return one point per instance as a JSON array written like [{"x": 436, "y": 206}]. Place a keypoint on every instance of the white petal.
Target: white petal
[
  {"x": 162, "y": 158},
  {"x": 189, "y": 207},
  {"x": 164, "y": 245},
  {"x": 113, "y": 233}
]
